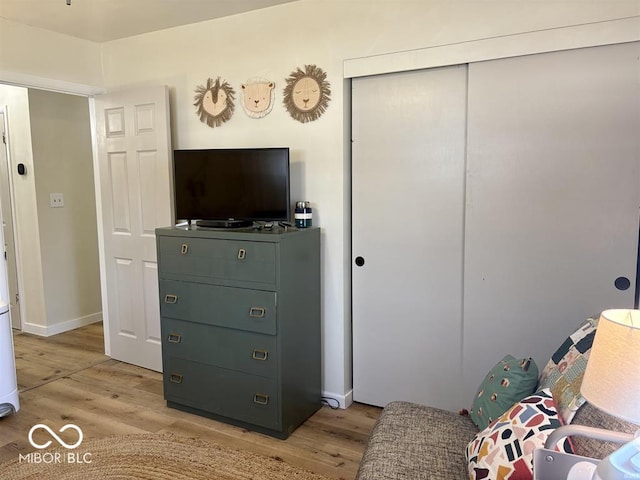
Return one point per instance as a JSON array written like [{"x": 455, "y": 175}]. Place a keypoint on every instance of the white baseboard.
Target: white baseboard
[
  {"x": 343, "y": 401},
  {"x": 47, "y": 331}
]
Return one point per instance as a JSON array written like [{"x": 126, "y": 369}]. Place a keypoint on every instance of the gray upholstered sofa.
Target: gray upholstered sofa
[{"x": 415, "y": 442}]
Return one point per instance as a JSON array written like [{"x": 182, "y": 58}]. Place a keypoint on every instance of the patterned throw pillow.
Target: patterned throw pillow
[
  {"x": 504, "y": 450},
  {"x": 508, "y": 382},
  {"x": 564, "y": 372}
]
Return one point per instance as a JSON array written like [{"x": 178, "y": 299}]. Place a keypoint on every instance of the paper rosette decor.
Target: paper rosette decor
[
  {"x": 307, "y": 94},
  {"x": 214, "y": 102}
]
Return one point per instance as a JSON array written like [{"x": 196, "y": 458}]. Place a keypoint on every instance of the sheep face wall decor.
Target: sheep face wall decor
[{"x": 258, "y": 97}]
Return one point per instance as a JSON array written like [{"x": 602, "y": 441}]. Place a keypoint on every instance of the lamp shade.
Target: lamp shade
[{"x": 612, "y": 377}]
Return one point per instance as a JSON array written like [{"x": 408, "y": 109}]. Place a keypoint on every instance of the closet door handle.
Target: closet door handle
[
  {"x": 622, "y": 283},
  {"x": 257, "y": 312},
  {"x": 184, "y": 249},
  {"x": 242, "y": 254},
  {"x": 174, "y": 338},
  {"x": 170, "y": 298},
  {"x": 261, "y": 355},
  {"x": 261, "y": 399},
  {"x": 175, "y": 378}
]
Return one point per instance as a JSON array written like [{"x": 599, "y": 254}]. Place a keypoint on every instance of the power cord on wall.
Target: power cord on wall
[{"x": 330, "y": 402}]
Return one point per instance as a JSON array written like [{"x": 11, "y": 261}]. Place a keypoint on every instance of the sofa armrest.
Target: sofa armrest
[
  {"x": 415, "y": 442},
  {"x": 590, "y": 416}
]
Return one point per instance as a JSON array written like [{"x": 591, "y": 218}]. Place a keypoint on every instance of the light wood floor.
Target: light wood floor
[{"x": 67, "y": 379}]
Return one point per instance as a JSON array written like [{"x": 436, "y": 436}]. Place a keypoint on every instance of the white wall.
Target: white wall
[
  {"x": 273, "y": 42},
  {"x": 34, "y": 57},
  {"x": 63, "y": 163}
]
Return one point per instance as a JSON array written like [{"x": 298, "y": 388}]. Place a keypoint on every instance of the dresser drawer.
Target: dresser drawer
[
  {"x": 252, "y": 310},
  {"x": 236, "y": 395},
  {"x": 253, "y": 262},
  {"x": 248, "y": 352}
]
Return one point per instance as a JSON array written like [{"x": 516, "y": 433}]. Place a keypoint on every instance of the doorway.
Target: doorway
[{"x": 56, "y": 242}]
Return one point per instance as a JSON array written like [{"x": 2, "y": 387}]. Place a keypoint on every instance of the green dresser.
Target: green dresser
[{"x": 240, "y": 316}]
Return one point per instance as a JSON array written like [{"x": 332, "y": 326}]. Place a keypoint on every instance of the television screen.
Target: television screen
[{"x": 217, "y": 185}]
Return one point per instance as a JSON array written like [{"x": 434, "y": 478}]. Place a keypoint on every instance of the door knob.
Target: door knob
[{"x": 359, "y": 261}]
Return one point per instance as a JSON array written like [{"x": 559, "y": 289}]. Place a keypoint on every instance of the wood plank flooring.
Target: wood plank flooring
[{"x": 67, "y": 379}]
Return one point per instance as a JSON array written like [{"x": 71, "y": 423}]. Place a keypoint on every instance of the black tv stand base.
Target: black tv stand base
[{"x": 231, "y": 223}]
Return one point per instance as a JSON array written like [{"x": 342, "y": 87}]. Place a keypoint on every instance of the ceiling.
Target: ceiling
[{"x": 105, "y": 20}]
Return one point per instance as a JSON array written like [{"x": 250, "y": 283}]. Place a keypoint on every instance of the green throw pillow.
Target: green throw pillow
[{"x": 511, "y": 380}]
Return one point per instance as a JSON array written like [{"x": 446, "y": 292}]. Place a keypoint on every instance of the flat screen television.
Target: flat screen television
[{"x": 231, "y": 187}]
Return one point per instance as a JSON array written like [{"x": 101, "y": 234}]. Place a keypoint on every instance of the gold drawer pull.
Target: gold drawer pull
[
  {"x": 174, "y": 338},
  {"x": 184, "y": 249},
  {"x": 257, "y": 312},
  {"x": 242, "y": 254},
  {"x": 261, "y": 355},
  {"x": 175, "y": 378},
  {"x": 170, "y": 298},
  {"x": 261, "y": 398}
]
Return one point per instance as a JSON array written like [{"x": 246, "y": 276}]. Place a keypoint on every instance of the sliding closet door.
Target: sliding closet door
[
  {"x": 408, "y": 189},
  {"x": 553, "y": 198}
]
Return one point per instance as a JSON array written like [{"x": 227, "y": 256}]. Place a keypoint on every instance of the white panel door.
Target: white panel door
[
  {"x": 408, "y": 143},
  {"x": 553, "y": 198},
  {"x": 134, "y": 164},
  {"x": 7, "y": 227}
]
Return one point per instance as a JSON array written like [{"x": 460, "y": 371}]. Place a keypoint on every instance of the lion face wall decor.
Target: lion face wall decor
[
  {"x": 259, "y": 94},
  {"x": 307, "y": 94},
  {"x": 214, "y": 102}
]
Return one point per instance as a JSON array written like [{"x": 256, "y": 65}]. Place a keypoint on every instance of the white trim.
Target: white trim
[
  {"x": 61, "y": 327},
  {"x": 43, "y": 83},
  {"x": 548, "y": 40},
  {"x": 99, "y": 226},
  {"x": 344, "y": 401},
  {"x": 16, "y": 244}
]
